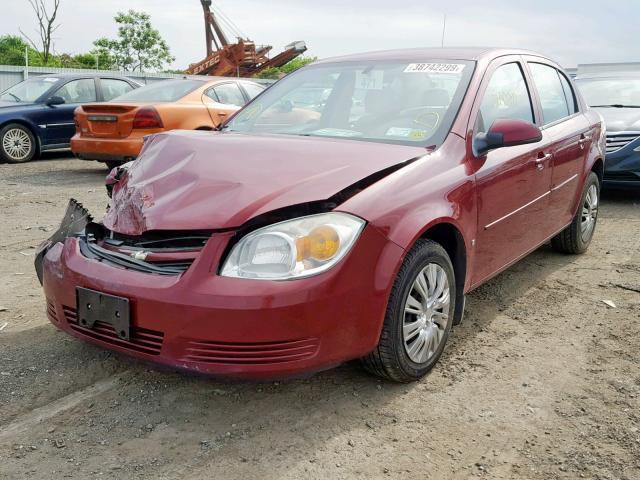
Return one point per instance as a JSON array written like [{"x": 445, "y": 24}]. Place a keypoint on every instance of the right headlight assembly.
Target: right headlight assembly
[{"x": 295, "y": 248}]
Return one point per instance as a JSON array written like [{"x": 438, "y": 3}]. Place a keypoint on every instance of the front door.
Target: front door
[
  {"x": 223, "y": 100},
  {"x": 513, "y": 183},
  {"x": 60, "y": 126}
]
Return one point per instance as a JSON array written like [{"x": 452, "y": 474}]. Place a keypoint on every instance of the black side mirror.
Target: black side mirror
[
  {"x": 55, "y": 100},
  {"x": 483, "y": 142},
  {"x": 506, "y": 133}
]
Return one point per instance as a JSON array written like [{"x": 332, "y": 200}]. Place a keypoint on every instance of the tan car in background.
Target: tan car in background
[{"x": 113, "y": 132}]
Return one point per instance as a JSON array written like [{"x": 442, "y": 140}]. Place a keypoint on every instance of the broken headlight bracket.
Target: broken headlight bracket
[{"x": 74, "y": 222}]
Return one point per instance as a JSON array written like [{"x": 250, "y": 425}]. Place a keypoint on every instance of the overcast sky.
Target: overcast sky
[{"x": 570, "y": 31}]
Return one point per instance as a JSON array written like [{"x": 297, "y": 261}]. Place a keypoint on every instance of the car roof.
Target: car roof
[
  {"x": 65, "y": 76},
  {"x": 449, "y": 53}
]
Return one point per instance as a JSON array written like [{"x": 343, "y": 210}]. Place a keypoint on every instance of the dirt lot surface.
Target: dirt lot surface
[{"x": 541, "y": 381}]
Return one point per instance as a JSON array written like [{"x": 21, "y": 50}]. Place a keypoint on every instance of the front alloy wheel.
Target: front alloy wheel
[
  {"x": 426, "y": 313},
  {"x": 18, "y": 144},
  {"x": 419, "y": 315}
]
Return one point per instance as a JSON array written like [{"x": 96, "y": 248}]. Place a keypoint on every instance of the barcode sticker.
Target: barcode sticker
[{"x": 434, "y": 68}]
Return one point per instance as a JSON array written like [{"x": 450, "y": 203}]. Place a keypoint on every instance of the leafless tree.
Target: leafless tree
[{"x": 46, "y": 26}]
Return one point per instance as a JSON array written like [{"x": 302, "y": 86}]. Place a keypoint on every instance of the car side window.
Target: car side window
[
  {"x": 112, "y": 88},
  {"x": 78, "y": 91},
  {"x": 506, "y": 96},
  {"x": 569, "y": 94},
  {"x": 252, "y": 89},
  {"x": 551, "y": 93},
  {"x": 229, "y": 94}
]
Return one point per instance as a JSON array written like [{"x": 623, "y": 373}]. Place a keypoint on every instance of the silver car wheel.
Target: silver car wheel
[
  {"x": 589, "y": 213},
  {"x": 426, "y": 313},
  {"x": 17, "y": 144}
]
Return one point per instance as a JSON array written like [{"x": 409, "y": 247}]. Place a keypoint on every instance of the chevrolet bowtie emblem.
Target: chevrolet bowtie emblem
[{"x": 139, "y": 255}]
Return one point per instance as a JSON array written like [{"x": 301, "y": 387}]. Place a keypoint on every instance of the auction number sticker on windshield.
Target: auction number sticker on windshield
[{"x": 434, "y": 68}]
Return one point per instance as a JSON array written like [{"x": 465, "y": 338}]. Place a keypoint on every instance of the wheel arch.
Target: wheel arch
[
  {"x": 29, "y": 126},
  {"x": 450, "y": 237},
  {"x": 598, "y": 169}
]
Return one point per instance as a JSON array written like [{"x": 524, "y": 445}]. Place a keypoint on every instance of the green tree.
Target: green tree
[
  {"x": 12, "y": 50},
  {"x": 139, "y": 46},
  {"x": 278, "y": 72}
]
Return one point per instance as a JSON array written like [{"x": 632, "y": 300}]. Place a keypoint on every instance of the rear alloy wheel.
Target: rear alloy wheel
[
  {"x": 419, "y": 316},
  {"x": 577, "y": 236},
  {"x": 17, "y": 143}
]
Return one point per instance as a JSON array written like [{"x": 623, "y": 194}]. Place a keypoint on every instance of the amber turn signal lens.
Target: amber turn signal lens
[{"x": 321, "y": 244}]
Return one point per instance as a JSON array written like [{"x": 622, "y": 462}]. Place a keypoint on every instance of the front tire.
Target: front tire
[
  {"x": 17, "y": 143},
  {"x": 577, "y": 236},
  {"x": 419, "y": 316}
]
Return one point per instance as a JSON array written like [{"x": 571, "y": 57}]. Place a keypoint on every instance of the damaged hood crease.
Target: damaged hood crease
[{"x": 202, "y": 180}]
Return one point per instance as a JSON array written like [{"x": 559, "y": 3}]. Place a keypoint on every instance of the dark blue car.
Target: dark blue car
[
  {"x": 37, "y": 115},
  {"x": 616, "y": 96}
]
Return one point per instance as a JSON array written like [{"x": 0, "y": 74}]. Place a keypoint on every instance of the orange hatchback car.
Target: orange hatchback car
[{"x": 113, "y": 132}]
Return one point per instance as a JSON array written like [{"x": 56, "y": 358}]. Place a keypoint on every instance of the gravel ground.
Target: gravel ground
[{"x": 541, "y": 381}]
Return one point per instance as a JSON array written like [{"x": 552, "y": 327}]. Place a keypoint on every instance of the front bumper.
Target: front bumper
[{"x": 226, "y": 326}]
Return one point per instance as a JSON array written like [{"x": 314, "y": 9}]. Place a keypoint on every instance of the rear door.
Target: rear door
[
  {"x": 223, "y": 100},
  {"x": 568, "y": 130},
  {"x": 60, "y": 126},
  {"x": 513, "y": 183}
]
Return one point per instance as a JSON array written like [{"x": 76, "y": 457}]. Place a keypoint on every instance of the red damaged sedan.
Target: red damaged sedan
[{"x": 309, "y": 233}]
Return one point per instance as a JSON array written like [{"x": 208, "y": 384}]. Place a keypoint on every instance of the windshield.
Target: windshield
[
  {"x": 29, "y": 90},
  {"x": 617, "y": 92},
  {"x": 163, "y": 91},
  {"x": 391, "y": 102}
]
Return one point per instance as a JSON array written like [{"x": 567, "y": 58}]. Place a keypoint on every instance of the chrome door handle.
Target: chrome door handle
[
  {"x": 584, "y": 140},
  {"x": 540, "y": 160}
]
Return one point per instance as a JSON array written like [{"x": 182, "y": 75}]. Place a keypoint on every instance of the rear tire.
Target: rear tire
[
  {"x": 17, "y": 143},
  {"x": 413, "y": 317},
  {"x": 577, "y": 236},
  {"x": 112, "y": 165}
]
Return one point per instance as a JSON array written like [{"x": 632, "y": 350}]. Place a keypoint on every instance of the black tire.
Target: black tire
[
  {"x": 112, "y": 165},
  {"x": 17, "y": 143},
  {"x": 572, "y": 239},
  {"x": 390, "y": 359}
]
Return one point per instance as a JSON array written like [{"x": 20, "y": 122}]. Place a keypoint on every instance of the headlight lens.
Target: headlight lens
[{"x": 293, "y": 249}]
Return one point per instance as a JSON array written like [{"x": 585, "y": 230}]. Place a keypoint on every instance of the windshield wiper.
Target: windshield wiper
[
  {"x": 615, "y": 105},
  {"x": 14, "y": 96}
]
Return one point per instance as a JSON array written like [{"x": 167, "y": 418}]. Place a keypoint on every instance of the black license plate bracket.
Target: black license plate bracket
[{"x": 93, "y": 306}]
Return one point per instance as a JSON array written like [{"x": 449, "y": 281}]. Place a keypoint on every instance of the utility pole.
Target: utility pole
[
  {"x": 26, "y": 62},
  {"x": 444, "y": 27}
]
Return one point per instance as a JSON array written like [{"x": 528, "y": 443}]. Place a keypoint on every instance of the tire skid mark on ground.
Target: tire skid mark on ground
[{"x": 41, "y": 414}]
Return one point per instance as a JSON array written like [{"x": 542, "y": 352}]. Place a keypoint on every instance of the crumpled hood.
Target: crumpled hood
[
  {"x": 620, "y": 119},
  {"x": 186, "y": 180}
]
